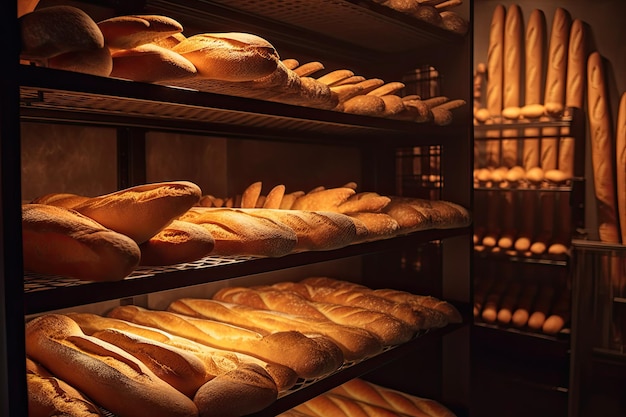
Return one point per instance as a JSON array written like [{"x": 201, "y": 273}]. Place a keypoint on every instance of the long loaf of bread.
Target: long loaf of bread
[
  {"x": 216, "y": 361},
  {"x": 388, "y": 329},
  {"x": 601, "y": 131},
  {"x": 620, "y": 146},
  {"x": 355, "y": 343},
  {"x": 495, "y": 74},
  {"x": 309, "y": 357},
  {"x": 99, "y": 369}
]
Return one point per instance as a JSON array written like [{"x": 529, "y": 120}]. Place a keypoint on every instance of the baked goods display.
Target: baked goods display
[
  {"x": 440, "y": 13},
  {"x": 229, "y": 355},
  {"x": 154, "y": 49}
]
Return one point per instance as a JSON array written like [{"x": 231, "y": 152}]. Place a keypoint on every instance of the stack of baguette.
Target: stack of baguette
[
  {"x": 359, "y": 397},
  {"x": 153, "y": 48}
]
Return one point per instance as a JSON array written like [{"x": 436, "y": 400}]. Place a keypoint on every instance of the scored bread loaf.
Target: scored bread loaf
[
  {"x": 309, "y": 357},
  {"x": 387, "y": 328},
  {"x": 556, "y": 71},
  {"x": 411, "y": 405},
  {"x": 237, "y": 232},
  {"x": 50, "y": 31},
  {"x": 230, "y": 56},
  {"x": 150, "y": 63},
  {"x": 51, "y": 396},
  {"x": 61, "y": 241},
  {"x": 178, "y": 242},
  {"x": 620, "y": 152},
  {"x": 341, "y": 406},
  {"x": 130, "y": 31},
  {"x": 216, "y": 361},
  {"x": 107, "y": 374},
  {"x": 355, "y": 343},
  {"x": 142, "y": 211},
  {"x": 96, "y": 61},
  {"x": 240, "y": 392}
]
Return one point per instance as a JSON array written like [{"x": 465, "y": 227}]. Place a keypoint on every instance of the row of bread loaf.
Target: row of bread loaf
[
  {"x": 529, "y": 305},
  {"x": 153, "y": 48},
  {"x": 518, "y": 177},
  {"x": 105, "y": 238},
  {"x": 210, "y": 357},
  {"x": 439, "y": 13}
]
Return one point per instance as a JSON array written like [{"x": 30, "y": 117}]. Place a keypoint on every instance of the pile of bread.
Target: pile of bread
[
  {"x": 105, "y": 238},
  {"x": 439, "y": 13},
  {"x": 229, "y": 355},
  {"x": 153, "y": 48},
  {"x": 523, "y": 304}
]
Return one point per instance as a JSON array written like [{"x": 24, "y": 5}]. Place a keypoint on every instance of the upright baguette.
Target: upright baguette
[
  {"x": 309, "y": 357},
  {"x": 355, "y": 343},
  {"x": 601, "y": 132},
  {"x": 100, "y": 369},
  {"x": 535, "y": 44},
  {"x": 620, "y": 146},
  {"x": 556, "y": 72},
  {"x": 388, "y": 329}
]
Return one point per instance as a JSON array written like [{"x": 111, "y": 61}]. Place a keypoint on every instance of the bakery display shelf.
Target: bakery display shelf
[
  {"x": 44, "y": 293},
  {"x": 314, "y": 25},
  {"x": 570, "y": 124},
  {"x": 498, "y": 254},
  {"x": 561, "y": 339},
  {"x": 60, "y": 96},
  {"x": 543, "y": 186}
]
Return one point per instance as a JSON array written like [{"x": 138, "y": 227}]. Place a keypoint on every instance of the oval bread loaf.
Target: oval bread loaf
[
  {"x": 150, "y": 63},
  {"x": 61, "y": 241},
  {"x": 125, "y": 32},
  {"x": 177, "y": 243}
]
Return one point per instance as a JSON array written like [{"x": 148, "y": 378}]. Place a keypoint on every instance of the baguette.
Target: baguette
[
  {"x": 398, "y": 401},
  {"x": 142, "y": 211},
  {"x": 61, "y": 241},
  {"x": 388, "y": 329},
  {"x": 535, "y": 43},
  {"x": 524, "y": 305},
  {"x": 356, "y": 344},
  {"x": 126, "y": 32},
  {"x": 150, "y": 63},
  {"x": 110, "y": 376},
  {"x": 309, "y": 357},
  {"x": 237, "y": 232},
  {"x": 230, "y": 56},
  {"x": 560, "y": 313},
  {"x": 541, "y": 308},
  {"x": 51, "y": 396},
  {"x": 556, "y": 72},
  {"x": 495, "y": 75},
  {"x": 216, "y": 361},
  {"x": 620, "y": 146},
  {"x": 601, "y": 149},
  {"x": 508, "y": 303},
  {"x": 341, "y": 406}
]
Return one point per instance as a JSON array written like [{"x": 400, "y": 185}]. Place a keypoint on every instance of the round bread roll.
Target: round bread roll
[
  {"x": 142, "y": 211},
  {"x": 54, "y": 30},
  {"x": 240, "y": 392},
  {"x": 95, "y": 61},
  {"x": 150, "y": 63},
  {"x": 61, "y": 241},
  {"x": 230, "y": 56},
  {"x": 126, "y": 32},
  {"x": 178, "y": 242}
]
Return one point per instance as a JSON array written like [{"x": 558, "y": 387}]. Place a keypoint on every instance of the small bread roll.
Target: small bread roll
[{"x": 230, "y": 56}]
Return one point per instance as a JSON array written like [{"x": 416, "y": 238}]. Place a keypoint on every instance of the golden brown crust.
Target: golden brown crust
[
  {"x": 126, "y": 32},
  {"x": 151, "y": 63},
  {"x": 178, "y": 242}
]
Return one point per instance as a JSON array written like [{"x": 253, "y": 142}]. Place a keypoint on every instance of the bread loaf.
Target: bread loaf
[
  {"x": 535, "y": 43},
  {"x": 620, "y": 147},
  {"x": 50, "y": 396},
  {"x": 541, "y": 308},
  {"x": 355, "y": 343},
  {"x": 66, "y": 200},
  {"x": 216, "y": 361},
  {"x": 236, "y": 393},
  {"x": 340, "y": 406},
  {"x": 556, "y": 72},
  {"x": 395, "y": 400},
  {"x": 142, "y": 211},
  {"x": 309, "y": 357},
  {"x": 512, "y": 57},
  {"x": 524, "y": 305},
  {"x": 61, "y": 241},
  {"x": 237, "y": 232},
  {"x": 126, "y": 32},
  {"x": 508, "y": 302},
  {"x": 54, "y": 30},
  {"x": 601, "y": 136},
  {"x": 110, "y": 376},
  {"x": 230, "y": 56},
  {"x": 388, "y": 329},
  {"x": 150, "y": 63},
  {"x": 96, "y": 61}
]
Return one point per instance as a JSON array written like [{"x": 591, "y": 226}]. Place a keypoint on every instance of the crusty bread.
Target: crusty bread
[
  {"x": 100, "y": 369},
  {"x": 95, "y": 61},
  {"x": 130, "y": 31},
  {"x": 534, "y": 47},
  {"x": 620, "y": 152},
  {"x": 309, "y": 357},
  {"x": 237, "y": 232},
  {"x": 355, "y": 343},
  {"x": 51, "y": 396},
  {"x": 240, "y": 392},
  {"x": 150, "y": 63},
  {"x": 50, "y": 31},
  {"x": 556, "y": 70},
  {"x": 142, "y": 211},
  {"x": 67, "y": 200},
  {"x": 177, "y": 243},
  {"x": 229, "y": 56},
  {"x": 61, "y": 241}
]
